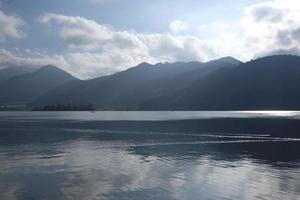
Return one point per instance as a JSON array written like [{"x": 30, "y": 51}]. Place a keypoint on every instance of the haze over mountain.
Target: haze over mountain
[
  {"x": 11, "y": 71},
  {"x": 26, "y": 87}
]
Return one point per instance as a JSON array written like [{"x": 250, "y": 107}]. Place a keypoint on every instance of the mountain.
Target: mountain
[
  {"x": 24, "y": 88},
  {"x": 271, "y": 83},
  {"x": 268, "y": 83},
  {"x": 128, "y": 89},
  {"x": 11, "y": 71}
]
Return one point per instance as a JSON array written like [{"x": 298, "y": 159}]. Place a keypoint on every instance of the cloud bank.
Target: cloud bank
[
  {"x": 101, "y": 48},
  {"x": 8, "y": 58},
  {"x": 94, "y": 49},
  {"x": 273, "y": 27}
]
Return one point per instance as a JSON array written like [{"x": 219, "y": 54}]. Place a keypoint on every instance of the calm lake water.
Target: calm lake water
[{"x": 150, "y": 155}]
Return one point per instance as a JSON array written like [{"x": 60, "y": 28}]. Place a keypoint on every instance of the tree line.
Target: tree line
[{"x": 68, "y": 107}]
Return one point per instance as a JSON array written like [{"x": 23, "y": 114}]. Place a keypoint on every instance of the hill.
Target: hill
[
  {"x": 27, "y": 87},
  {"x": 11, "y": 71},
  {"x": 129, "y": 89},
  {"x": 268, "y": 83}
]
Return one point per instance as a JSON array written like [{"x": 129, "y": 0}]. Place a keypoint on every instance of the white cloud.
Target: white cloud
[
  {"x": 86, "y": 65},
  {"x": 168, "y": 47},
  {"x": 9, "y": 26},
  {"x": 95, "y": 49},
  {"x": 269, "y": 26},
  {"x": 31, "y": 59},
  {"x": 272, "y": 26},
  {"x": 103, "y": 50},
  {"x": 178, "y": 26},
  {"x": 78, "y": 32}
]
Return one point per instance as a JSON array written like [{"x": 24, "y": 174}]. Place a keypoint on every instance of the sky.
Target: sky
[{"x": 92, "y": 38}]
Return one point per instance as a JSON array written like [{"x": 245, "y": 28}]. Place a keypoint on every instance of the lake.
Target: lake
[{"x": 150, "y": 155}]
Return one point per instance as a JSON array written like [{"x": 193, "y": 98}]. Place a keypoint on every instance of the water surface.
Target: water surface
[
  {"x": 147, "y": 115},
  {"x": 103, "y": 155}
]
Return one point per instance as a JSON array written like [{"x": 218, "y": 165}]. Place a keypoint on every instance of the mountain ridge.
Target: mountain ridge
[
  {"x": 26, "y": 87},
  {"x": 12, "y": 70},
  {"x": 116, "y": 91},
  {"x": 270, "y": 82}
]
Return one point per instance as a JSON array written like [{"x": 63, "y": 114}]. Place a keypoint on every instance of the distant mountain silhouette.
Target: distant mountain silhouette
[
  {"x": 11, "y": 71},
  {"x": 129, "y": 89},
  {"x": 271, "y": 82},
  {"x": 24, "y": 88},
  {"x": 268, "y": 83}
]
